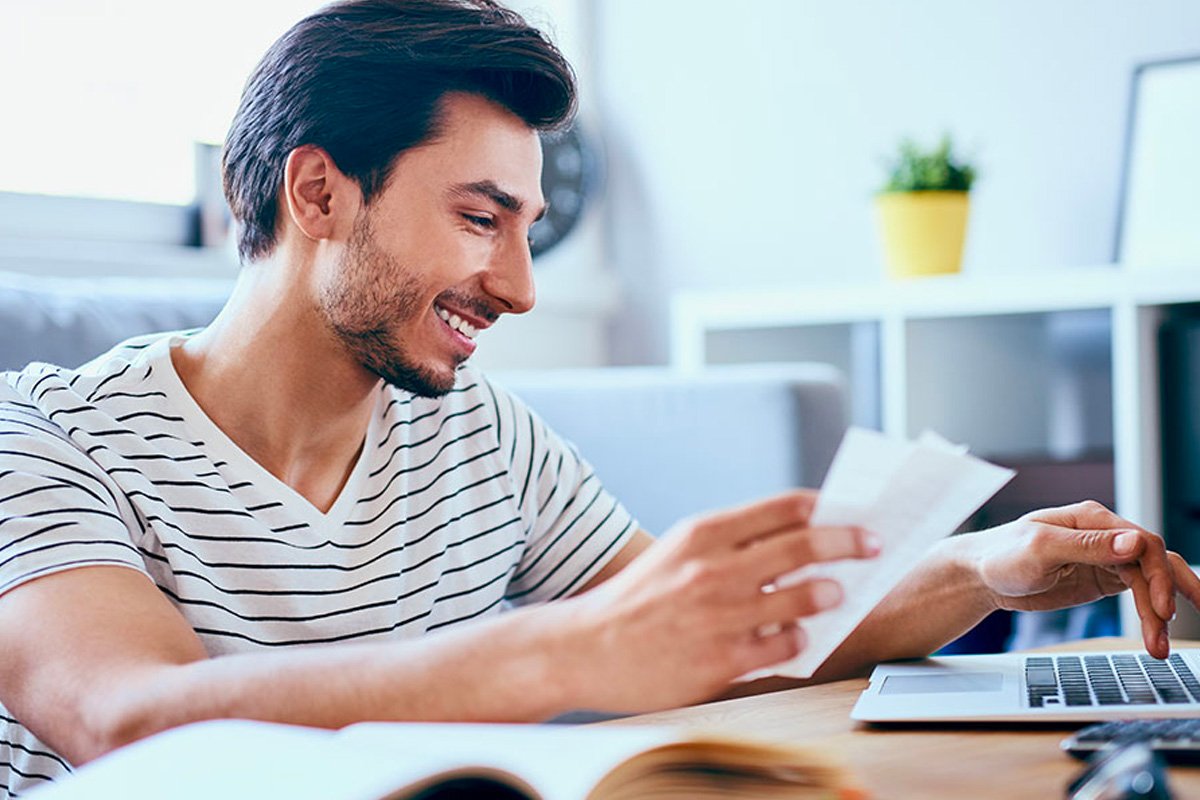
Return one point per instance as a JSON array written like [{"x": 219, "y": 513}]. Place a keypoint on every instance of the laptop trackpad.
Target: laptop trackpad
[{"x": 945, "y": 682}]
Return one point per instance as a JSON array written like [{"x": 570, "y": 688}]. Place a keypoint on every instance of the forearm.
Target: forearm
[
  {"x": 504, "y": 669},
  {"x": 937, "y": 602}
]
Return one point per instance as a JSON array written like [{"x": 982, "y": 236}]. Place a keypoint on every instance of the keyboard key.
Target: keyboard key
[
  {"x": 1185, "y": 676},
  {"x": 1117, "y": 680},
  {"x": 1177, "y": 740},
  {"x": 1041, "y": 677}
]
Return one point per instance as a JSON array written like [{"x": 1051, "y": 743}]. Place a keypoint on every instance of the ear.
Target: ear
[{"x": 321, "y": 201}]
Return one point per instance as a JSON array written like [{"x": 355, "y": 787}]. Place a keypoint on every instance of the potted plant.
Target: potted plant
[{"x": 923, "y": 210}]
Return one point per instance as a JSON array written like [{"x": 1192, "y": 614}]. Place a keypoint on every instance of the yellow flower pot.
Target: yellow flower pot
[{"x": 923, "y": 232}]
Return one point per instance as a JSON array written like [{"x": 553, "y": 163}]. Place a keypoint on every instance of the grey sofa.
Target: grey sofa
[
  {"x": 672, "y": 444},
  {"x": 68, "y": 321},
  {"x": 668, "y": 444}
]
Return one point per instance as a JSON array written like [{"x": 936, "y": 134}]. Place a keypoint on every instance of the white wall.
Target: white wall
[{"x": 745, "y": 140}]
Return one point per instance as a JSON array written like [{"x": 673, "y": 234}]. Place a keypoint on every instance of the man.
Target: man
[{"x": 332, "y": 511}]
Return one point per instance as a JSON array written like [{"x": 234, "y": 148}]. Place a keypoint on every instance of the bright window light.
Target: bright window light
[{"x": 105, "y": 98}]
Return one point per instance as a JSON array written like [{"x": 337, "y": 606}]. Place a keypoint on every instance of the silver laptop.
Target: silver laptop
[{"x": 1017, "y": 687}]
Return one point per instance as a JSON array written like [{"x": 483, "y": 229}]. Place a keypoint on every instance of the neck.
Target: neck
[{"x": 273, "y": 378}]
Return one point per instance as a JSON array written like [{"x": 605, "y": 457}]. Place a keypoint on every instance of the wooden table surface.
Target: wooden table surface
[{"x": 947, "y": 762}]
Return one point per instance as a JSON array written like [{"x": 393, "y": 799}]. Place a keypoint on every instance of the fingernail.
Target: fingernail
[
  {"x": 872, "y": 543},
  {"x": 827, "y": 595},
  {"x": 1124, "y": 543}
]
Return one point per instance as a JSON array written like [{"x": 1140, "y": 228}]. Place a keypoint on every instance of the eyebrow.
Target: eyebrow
[{"x": 492, "y": 192}]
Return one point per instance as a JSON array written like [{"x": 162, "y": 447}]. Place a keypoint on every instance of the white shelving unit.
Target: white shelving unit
[{"x": 1061, "y": 364}]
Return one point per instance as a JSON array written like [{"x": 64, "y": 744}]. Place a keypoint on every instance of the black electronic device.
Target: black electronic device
[
  {"x": 1179, "y": 390},
  {"x": 1177, "y": 739}
]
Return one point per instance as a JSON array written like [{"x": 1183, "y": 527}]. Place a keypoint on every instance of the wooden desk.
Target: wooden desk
[{"x": 956, "y": 762}]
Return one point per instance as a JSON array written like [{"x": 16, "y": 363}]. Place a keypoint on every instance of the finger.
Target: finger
[
  {"x": 746, "y": 523},
  {"x": 1154, "y": 629},
  {"x": 1057, "y": 545},
  {"x": 785, "y": 552},
  {"x": 1093, "y": 519},
  {"x": 781, "y": 643},
  {"x": 802, "y": 600},
  {"x": 1151, "y": 555},
  {"x": 1087, "y": 514},
  {"x": 1185, "y": 578}
]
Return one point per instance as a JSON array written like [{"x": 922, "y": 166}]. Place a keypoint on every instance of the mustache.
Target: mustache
[{"x": 474, "y": 305}]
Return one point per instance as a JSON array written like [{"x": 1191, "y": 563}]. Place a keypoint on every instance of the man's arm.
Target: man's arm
[
  {"x": 1055, "y": 558},
  {"x": 637, "y": 545},
  {"x": 96, "y": 657}
]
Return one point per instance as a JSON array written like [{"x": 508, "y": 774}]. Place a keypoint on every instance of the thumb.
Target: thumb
[
  {"x": 1103, "y": 547},
  {"x": 1125, "y": 544}
]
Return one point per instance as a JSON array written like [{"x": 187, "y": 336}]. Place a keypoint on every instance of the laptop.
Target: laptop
[{"x": 1034, "y": 687}]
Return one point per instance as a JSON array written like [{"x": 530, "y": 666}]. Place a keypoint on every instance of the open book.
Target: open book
[{"x": 445, "y": 761}]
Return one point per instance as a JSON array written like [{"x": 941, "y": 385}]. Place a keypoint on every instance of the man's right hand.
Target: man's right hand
[{"x": 699, "y": 608}]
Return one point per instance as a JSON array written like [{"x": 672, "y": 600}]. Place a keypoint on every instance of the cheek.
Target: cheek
[{"x": 432, "y": 251}]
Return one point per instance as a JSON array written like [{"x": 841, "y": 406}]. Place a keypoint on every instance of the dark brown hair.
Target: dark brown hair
[{"x": 362, "y": 79}]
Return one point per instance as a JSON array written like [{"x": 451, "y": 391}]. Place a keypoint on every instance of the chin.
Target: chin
[{"x": 421, "y": 381}]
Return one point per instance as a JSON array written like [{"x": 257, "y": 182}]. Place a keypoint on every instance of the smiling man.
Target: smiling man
[{"x": 313, "y": 512}]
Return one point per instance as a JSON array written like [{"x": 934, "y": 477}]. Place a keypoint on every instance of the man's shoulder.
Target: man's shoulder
[{"x": 46, "y": 388}]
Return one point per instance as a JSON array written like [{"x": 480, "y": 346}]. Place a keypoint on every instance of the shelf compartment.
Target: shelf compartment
[{"x": 1015, "y": 385}]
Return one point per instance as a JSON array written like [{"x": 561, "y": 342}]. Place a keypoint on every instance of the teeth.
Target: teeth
[{"x": 457, "y": 323}]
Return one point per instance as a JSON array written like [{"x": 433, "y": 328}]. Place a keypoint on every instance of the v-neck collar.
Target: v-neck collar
[{"x": 220, "y": 447}]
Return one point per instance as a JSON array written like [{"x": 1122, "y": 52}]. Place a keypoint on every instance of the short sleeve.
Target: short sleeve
[
  {"x": 573, "y": 526},
  {"x": 58, "y": 511}
]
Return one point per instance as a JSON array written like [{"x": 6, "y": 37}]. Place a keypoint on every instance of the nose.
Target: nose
[{"x": 509, "y": 278}]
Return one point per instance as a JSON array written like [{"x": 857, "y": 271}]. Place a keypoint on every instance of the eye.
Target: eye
[{"x": 487, "y": 223}]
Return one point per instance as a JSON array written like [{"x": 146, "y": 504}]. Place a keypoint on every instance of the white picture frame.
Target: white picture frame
[{"x": 1159, "y": 222}]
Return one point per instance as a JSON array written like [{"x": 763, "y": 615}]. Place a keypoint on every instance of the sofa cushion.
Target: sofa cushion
[
  {"x": 671, "y": 444},
  {"x": 68, "y": 321}
]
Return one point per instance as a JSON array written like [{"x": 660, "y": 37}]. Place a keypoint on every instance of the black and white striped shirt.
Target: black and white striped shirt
[{"x": 456, "y": 508}]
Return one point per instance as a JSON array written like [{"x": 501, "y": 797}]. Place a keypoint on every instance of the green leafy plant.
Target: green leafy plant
[{"x": 936, "y": 170}]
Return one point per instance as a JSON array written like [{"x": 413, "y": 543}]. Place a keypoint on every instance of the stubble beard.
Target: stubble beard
[{"x": 374, "y": 295}]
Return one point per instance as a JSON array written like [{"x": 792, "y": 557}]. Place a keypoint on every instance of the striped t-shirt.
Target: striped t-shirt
[{"x": 456, "y": 508}]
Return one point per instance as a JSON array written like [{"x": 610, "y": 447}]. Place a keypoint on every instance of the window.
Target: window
[
  {"x": 105, "y": 98},
  {"x": 104, "y": 102}
]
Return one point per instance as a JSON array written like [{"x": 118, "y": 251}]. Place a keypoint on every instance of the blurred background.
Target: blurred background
[
  {"x": 733, "y": 153},
  {"x": 742, "y": 142}
]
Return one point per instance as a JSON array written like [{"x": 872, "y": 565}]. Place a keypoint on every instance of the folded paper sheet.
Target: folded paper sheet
[{"x": 910, "y": 495}]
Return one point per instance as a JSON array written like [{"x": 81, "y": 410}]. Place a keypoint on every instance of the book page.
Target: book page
[
  {"x": 558, "y": 761},
  {"x": 910, "y": 495},
  {"x": 238, "y": 758},
  {"x": 399, "y": 761}
]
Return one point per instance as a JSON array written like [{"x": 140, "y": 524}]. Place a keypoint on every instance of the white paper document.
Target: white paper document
[{"x": 910, "y": 495}]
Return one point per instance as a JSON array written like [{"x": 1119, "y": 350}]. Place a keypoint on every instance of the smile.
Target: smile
[{"x": 457, "y": 323}]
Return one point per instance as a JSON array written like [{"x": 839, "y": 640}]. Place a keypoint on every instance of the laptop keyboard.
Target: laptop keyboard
[
  {"x": 1177, "y": 740},
  {"x": 1113, "y": 679}
]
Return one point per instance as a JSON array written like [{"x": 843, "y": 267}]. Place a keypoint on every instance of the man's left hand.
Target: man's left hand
[{"x": 1075, "y": 554}]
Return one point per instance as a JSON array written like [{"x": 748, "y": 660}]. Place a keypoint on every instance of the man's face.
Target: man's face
[{"x": 442, "y": 252}]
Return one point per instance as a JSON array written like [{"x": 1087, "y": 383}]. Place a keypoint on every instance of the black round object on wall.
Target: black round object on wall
[{"x": 570, "y": 176}]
